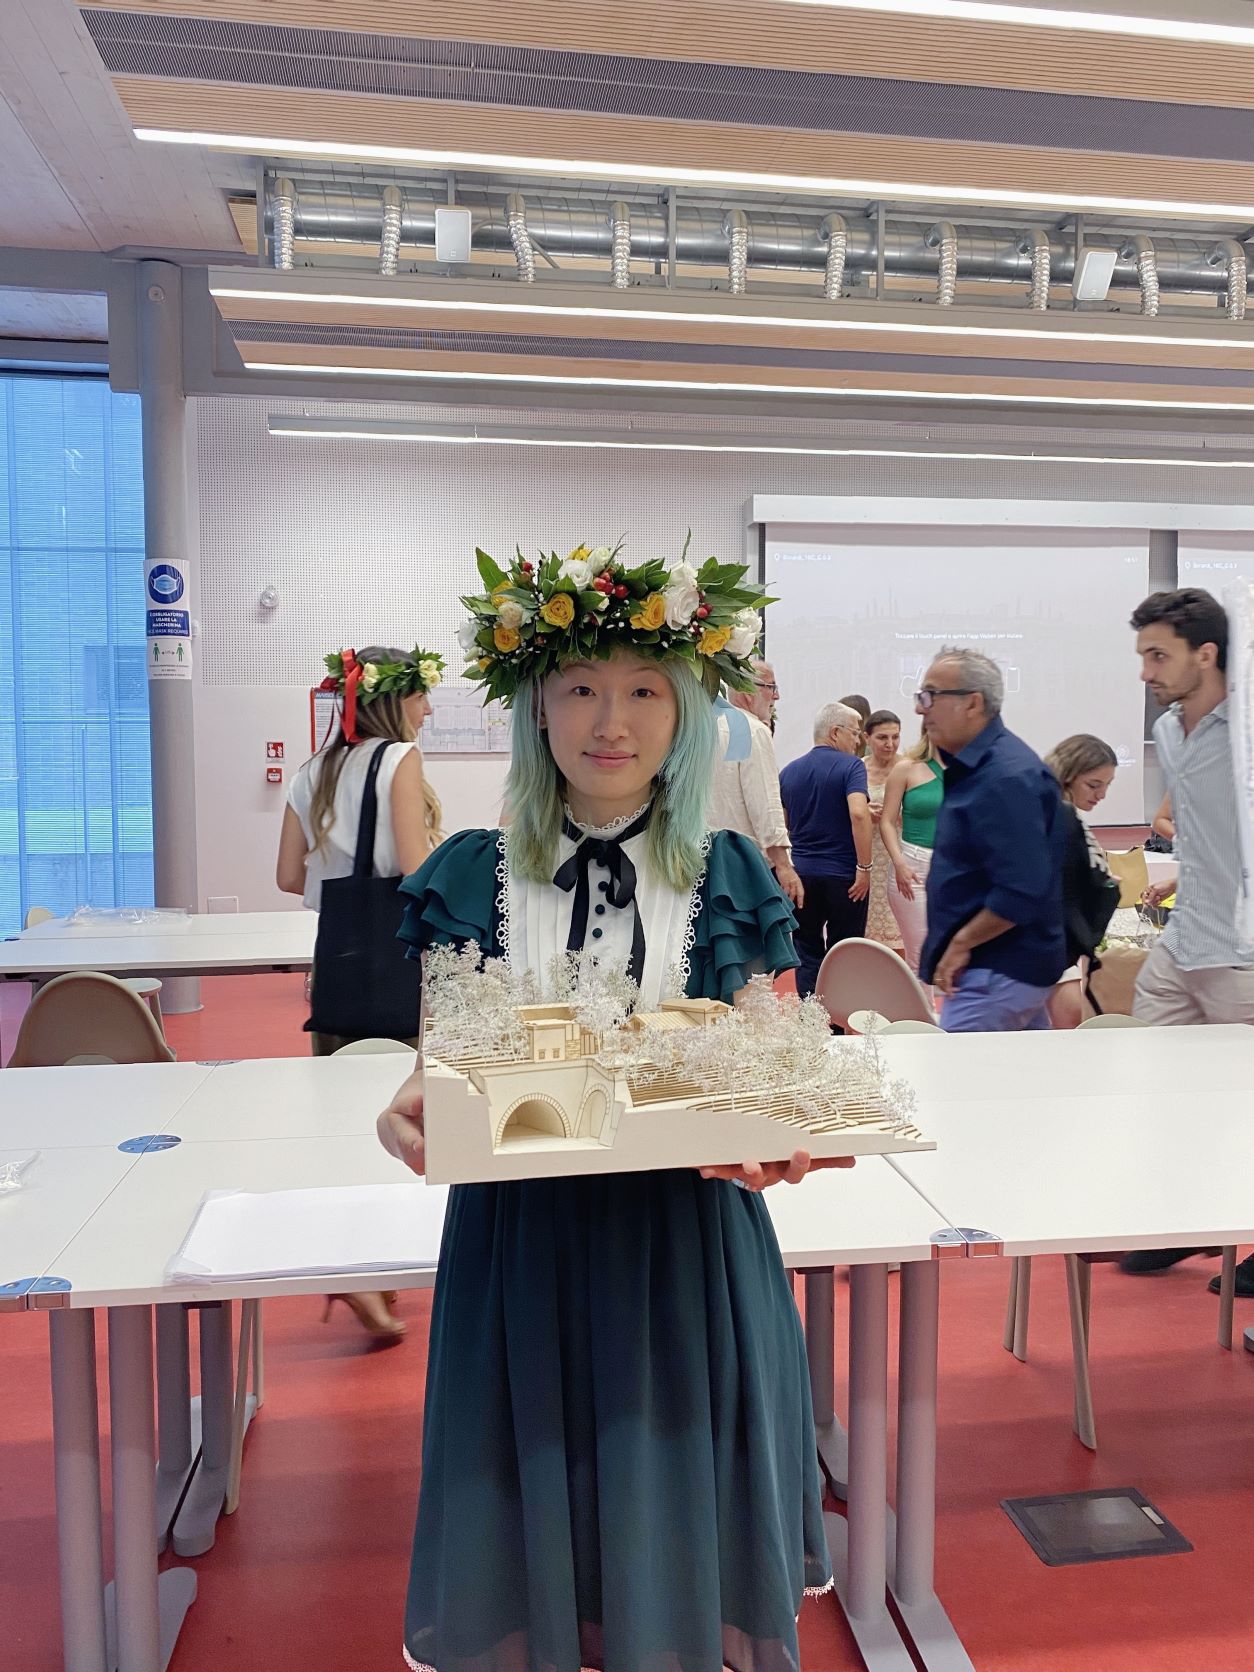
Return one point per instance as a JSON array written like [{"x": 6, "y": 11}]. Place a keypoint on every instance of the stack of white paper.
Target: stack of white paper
[{"x": 240, "y": 1235}]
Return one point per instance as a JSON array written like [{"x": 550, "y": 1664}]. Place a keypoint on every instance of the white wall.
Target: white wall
[{"x": 374, "y": 540}]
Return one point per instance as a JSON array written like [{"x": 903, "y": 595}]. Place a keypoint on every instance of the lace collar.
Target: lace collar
[{"x": 613, "y": 827}]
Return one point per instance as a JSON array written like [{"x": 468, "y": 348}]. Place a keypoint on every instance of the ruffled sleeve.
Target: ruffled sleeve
[
  {"x": 452, "y": 897},
  {"x": 744, "y": 923}
]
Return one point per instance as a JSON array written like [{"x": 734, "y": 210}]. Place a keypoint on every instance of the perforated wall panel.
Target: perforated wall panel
[{"x": 374, "y": 540}]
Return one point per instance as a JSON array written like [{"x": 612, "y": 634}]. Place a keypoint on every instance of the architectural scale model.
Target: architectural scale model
[{"x": 584, "y": 1084}]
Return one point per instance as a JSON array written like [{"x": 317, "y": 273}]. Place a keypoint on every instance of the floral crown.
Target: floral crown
[
  {"x": 358, "y": 681},
  {"x": 536, "y": 617}
]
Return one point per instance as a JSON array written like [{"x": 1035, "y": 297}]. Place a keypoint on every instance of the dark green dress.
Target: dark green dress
[{"x": 619, "y": 1467}]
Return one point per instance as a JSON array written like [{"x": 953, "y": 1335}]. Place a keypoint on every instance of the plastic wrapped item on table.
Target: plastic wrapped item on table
[
  {"x": 13, "y": 1173},
  {"x": 125, "y": 917}
]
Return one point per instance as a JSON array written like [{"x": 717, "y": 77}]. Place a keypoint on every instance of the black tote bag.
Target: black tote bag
[{"x": 364, "y": 987}]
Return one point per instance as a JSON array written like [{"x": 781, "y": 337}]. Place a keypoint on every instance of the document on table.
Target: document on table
[{"x": 240, "y": 1235}]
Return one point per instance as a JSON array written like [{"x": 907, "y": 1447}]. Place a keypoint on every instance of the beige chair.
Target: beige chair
[
  {"x": 909, "y": 1025},
  {"x": 1132, "y": 872},
  {"x": 863, "y": 975},
  {"x": 372, "y": 1047},
  {"x": 147, "y": 986},
  {"x": 87, "y": 1017},
  {"x": 1114, "y": 1020}
]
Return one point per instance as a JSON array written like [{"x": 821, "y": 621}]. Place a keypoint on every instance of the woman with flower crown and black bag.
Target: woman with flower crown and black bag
[
  {"x": 359, "y": 813},
  {"x": 619, "y": 1465}
]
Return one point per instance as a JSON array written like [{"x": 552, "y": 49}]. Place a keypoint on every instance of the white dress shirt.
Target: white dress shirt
[{"x": 745, "y": 793}]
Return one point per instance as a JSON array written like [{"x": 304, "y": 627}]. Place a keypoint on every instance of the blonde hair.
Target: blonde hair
[
  {"x": 1077, "y": 755},
  {"x": 924, "y": 749}
]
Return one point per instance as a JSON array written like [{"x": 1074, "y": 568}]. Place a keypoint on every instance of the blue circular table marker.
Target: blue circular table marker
[
  {"x": 153, "y": 1141},
  {"x": 51, "y": 1286}
]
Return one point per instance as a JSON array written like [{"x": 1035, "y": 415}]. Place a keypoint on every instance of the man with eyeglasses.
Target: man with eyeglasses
[
  {"x": 829, "y": 818},
  {"x": 745, "y": 793},
  {"x": 995, "y": 945}
]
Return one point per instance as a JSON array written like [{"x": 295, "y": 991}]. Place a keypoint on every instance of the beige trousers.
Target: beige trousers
[{"x": 1168, "y": 996}]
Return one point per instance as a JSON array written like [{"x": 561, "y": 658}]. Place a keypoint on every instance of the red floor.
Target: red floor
[{"x": 310, "y": 1573}]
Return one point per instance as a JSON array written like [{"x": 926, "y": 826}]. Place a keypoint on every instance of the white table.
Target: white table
[
  {"x": 202, "y": 944},
  {"x": 1162, "y": 867},
  {"x": 324, "y": 1111}
]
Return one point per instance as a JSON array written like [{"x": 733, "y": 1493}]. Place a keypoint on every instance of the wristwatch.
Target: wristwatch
[{"x": 863, "y": 867}]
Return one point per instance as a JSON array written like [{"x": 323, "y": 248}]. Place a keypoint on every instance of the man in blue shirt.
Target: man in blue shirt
[
  {"x": 829, "y": 820},
  {"x": 995, "y": 944}
]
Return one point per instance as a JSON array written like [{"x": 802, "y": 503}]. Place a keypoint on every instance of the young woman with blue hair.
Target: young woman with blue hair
[{"x": 619, "y": 1467}]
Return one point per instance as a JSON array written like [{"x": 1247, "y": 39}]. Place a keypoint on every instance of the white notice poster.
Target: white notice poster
[{"x": 168, "y": 610}]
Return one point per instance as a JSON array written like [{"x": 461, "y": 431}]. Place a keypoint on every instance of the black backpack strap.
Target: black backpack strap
[{"x": 363, "y": 862}]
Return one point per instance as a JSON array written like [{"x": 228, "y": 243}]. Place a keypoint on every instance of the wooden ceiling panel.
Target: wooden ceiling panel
[
  {"x": 1239, "y": 354},
  {"x": 637, "y": 145},
  {"x": 768, "y": 32},
  {"x": 487, "y": 366}
]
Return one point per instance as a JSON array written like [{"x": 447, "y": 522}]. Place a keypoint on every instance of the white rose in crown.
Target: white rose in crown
[
  {"x": 599, "y": 558},
  {"x": 429, "y": 672},
  {"x": 744, "y": 633},
  {"x": 369, "y": 676},
  {"x": 682, "y": 596},
  {"x": 577, "y": 569},
  {"x": 510, "y": 613},
  {"x": 466, "y": 634}
]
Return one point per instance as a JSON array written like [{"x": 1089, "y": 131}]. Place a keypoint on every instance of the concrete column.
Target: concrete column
[{"x": 159, "y": 300}]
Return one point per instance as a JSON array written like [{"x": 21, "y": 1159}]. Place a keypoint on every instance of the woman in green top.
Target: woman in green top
[
  {"x": 619, "y": 1466},
  {"x": 912, "y": 800}
]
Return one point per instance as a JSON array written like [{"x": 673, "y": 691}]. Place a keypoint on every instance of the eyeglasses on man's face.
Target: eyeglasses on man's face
[
  {"x": 768, "y": 685},
  {"x": 924, "y": 699}
]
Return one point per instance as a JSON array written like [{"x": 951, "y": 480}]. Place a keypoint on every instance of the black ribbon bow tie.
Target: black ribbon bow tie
[{"x": 607, "y": 851}]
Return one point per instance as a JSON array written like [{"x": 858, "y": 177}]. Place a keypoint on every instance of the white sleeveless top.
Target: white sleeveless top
[{"x": 335, "y": 857}]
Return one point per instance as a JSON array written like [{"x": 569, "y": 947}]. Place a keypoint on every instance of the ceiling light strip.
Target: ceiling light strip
[
  {"x": 688, "y": 316},
  {"x": 554, "y": 380},
  {"x": 663, "y": 174},
  {"x": 362, "y": 432},
  {"x": 1048, "y": 17}
]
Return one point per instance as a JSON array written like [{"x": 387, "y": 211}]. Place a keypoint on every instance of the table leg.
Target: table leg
[
  {"x": 1023, "y": 1296},
  {"x": 1227, "y": 1296},
  {"x": 196, "y": 1527},
  {"x": 833, "y": 1446},
  {"x": 936, "y": 1644},
  {"x": 868, "y": 1438},
  {"x": 149, "y": 1610},
  {"x": 916, "y": 1431},
  {"x": 134, "y": 1492},
  {"x": 178, "y": 1443},
  {"x": 76, "y": 1447}
]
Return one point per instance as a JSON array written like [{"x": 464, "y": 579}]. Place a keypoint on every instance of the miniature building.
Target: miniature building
[{"x": 555, "y": 1035}]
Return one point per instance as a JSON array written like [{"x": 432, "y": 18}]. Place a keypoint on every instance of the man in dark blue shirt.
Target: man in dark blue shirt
[
  {"x": 995, "y": 945},
  {"x": 829, "y": 822}
]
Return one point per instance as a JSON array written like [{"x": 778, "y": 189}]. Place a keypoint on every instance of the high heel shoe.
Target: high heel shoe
[{"x": 371, "y": 1312}]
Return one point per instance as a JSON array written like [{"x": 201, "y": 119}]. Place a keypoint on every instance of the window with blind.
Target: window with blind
[{"x": 75, "y": 780}]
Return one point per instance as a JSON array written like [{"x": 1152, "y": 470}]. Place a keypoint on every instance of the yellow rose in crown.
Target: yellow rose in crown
[
  {"x": 559, "y": 611},
  {"x": 713, "y": 639},
  {"x": 651, "y": 615},
  {"x": 581, "y": 554},
  {"x": 506, "y": 639}
]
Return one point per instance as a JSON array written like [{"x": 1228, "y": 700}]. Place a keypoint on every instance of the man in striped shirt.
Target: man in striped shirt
[{"x": 1200, "y": 970}]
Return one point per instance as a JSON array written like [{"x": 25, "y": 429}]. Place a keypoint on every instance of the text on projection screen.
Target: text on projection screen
[{"x": 865, "y": 610}]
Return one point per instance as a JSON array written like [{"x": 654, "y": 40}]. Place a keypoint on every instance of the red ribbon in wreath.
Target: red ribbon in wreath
[{"x": 350, "y": 679}]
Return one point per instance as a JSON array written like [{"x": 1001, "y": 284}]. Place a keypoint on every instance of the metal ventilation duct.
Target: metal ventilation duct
[
  {"x": 620, "y": 245},
  {"x": 1036, "y": 245},
  {"x": 1231, "y": 256},
  {"x": 780, "y": 239},
  {"x": 836, "y": 232},
  {"x": 943, "y": 237},
  {"x": 283, "y": 205},
  {"x": 390, "y": 238},
  {"x": 736, "y": 227}
]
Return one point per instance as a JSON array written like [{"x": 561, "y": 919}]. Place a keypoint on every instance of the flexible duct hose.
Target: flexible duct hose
[
  {"x": 390, "y": 240},
  {"x": 520, "y": 238},
  {"x": 736, "y": 227},
  {"x": 837, "y": 235},
  {"x": 1229, "y": 254},
  {"x": 1036, "y": 244},
  {"x": 945, "y": 234},
  {"x": 284, "y": 224},
  {"x": 1146, "y": 271},
  {"x": 620, "y": 245}
]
